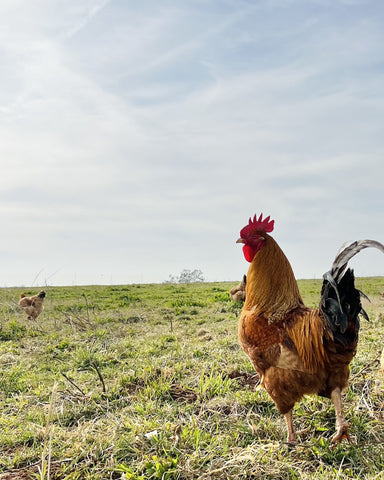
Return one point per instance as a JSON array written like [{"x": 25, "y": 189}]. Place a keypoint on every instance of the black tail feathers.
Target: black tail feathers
[
  {"x": 341, "y": 306},
  {"x": 340, "y": 300}
]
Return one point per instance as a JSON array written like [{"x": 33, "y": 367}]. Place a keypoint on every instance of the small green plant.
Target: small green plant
[
  {"x": 214, "y": 384},
  {"x": 11, "y": 330},
  {"x": 161, "y": 468}
]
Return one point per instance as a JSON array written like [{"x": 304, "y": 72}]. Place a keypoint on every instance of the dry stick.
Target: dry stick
[
  {"x": 34, "y": 280},
  {"x": 86, "y": 302},
  {"x": 73, "y": 383},
  {"x": 94, "y": 365}
]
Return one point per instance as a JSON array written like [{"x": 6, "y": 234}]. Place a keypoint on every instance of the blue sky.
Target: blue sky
[{"x": 137, "y": 137}]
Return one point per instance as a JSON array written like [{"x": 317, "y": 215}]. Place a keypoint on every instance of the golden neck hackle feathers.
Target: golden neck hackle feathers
[{"x": 271, "y": 289}]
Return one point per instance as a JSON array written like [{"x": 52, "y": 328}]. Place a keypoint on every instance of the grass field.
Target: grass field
[{"x": 149, "y": 382}]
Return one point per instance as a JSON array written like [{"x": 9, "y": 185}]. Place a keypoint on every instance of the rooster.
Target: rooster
[
  {"x": 32, "y": 306},
  {"x": 298, "y": 350}
]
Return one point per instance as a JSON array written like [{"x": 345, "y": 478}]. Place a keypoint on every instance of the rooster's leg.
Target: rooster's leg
[
  {"x": 342, "y": 425},
  {"x": 291, "y": 432}
]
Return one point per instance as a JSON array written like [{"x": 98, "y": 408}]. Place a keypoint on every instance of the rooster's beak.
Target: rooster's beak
[{"x": 240, "y": 240}]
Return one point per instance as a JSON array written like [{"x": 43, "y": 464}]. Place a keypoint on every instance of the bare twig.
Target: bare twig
[
  {"x": 34, "y": 280},
  {"x": 73, "y": 383},
  {"x": 86, "y": 302},
  {"x": 77, "y": 321},
  {"x": 94, "y": 365}
]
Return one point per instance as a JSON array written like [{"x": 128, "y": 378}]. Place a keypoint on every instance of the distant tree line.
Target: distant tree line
[{"x": 187, "y": 276}]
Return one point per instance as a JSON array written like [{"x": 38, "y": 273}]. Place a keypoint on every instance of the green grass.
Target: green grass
[{"x": 149, "y": 382}]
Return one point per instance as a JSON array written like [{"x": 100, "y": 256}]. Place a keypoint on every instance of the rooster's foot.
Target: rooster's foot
[
  {"x": 292, "y": 441},
  {"x": 341, "y": 433}
]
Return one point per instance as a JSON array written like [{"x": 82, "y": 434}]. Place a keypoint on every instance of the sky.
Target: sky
[{"x": 138, "y": 136}]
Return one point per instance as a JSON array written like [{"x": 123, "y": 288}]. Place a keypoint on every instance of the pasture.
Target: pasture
[{"x": 149, "y": 382}]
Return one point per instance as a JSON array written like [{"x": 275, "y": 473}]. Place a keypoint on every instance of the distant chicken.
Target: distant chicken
[
  {"x": 237, "y": 294},
  {"x": 32, "y": 306},
  {"x": 382, "y": 361},
  {"x": 298, "y": 350}
]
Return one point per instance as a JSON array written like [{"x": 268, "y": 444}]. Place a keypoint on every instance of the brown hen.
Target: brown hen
[{"x": 32, "y": 306}]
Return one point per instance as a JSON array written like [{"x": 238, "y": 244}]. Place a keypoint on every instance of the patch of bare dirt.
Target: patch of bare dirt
[
  {"x": 181, "y": 394},
  {"x": 245, "y": 379}
]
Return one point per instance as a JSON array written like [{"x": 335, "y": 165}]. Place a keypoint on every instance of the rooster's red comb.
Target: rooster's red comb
[{"x": 257, "y": 224}]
